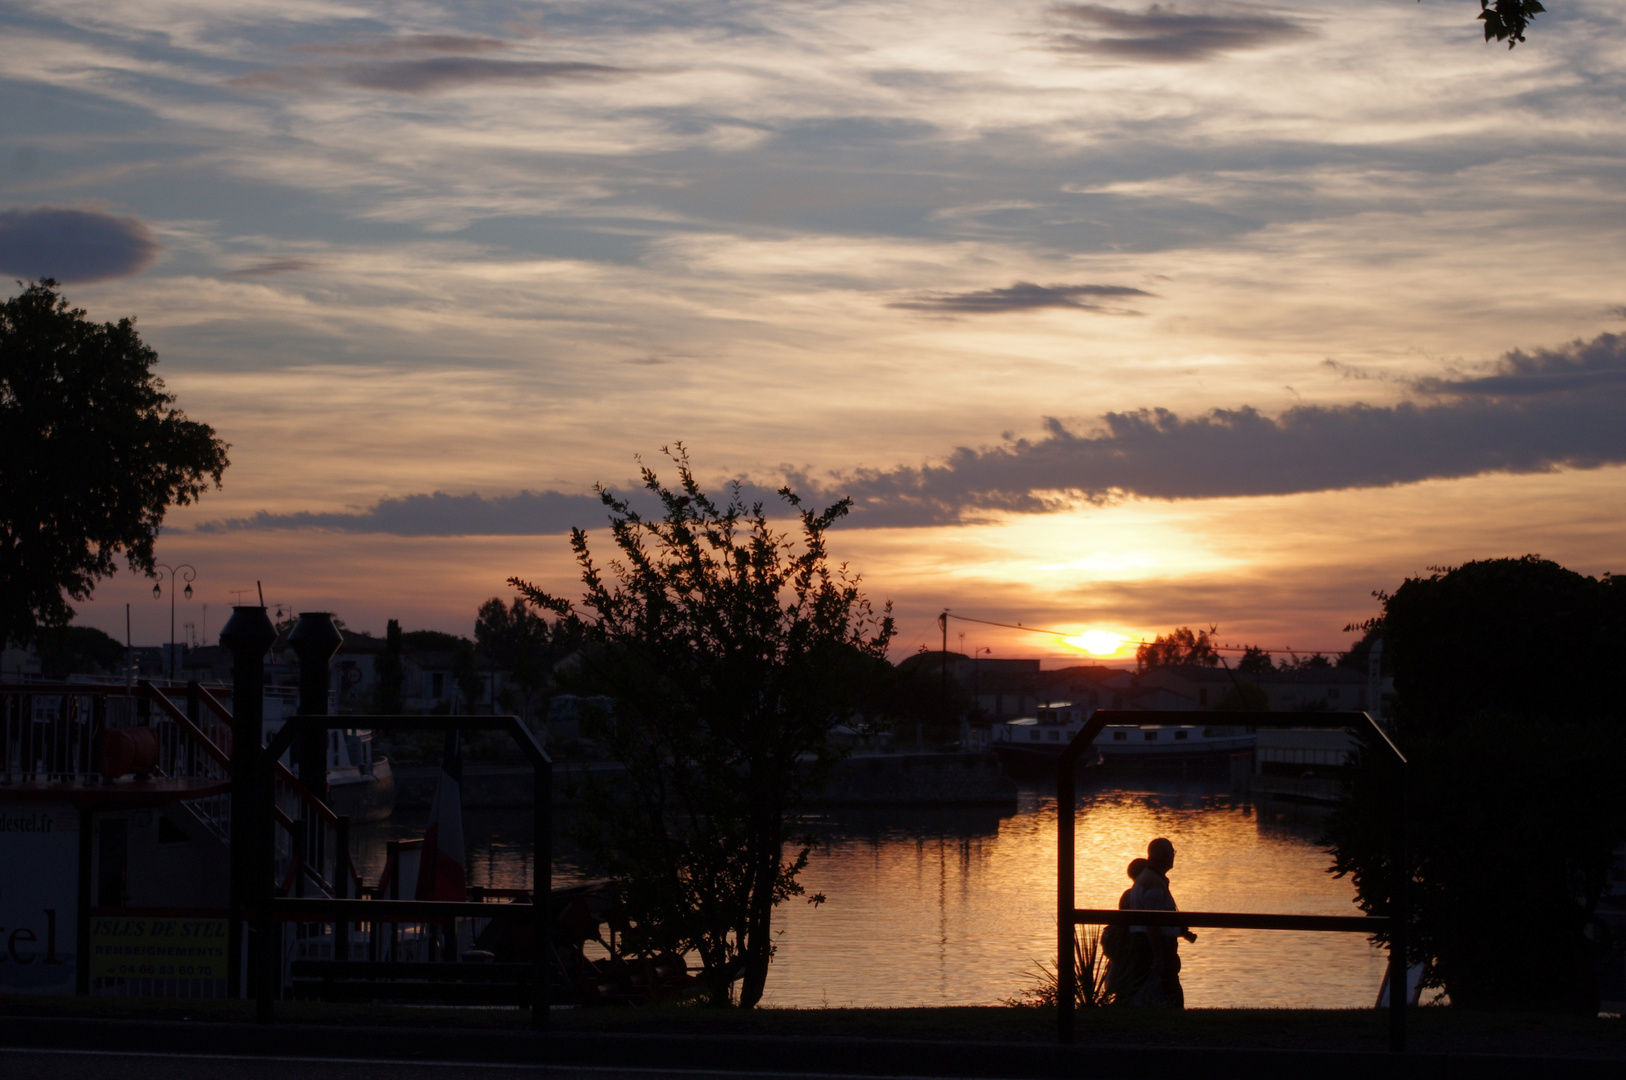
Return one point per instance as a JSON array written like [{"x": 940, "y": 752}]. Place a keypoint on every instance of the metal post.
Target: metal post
[
  {"x": 194, "y": 713},
  {"x": 87, "y": 854},
  {"x": 268, "y": 930},
  {"x": 1400, "y": 917},
  {"x": 1066, "y": 977},
  {"x": 247, "y": 636},
  {"x": 392, "y": 891},
  {"x": 542, "y": 890},
  {"x": 341, "y": 884},
  {"x": 301, "y": 850}
]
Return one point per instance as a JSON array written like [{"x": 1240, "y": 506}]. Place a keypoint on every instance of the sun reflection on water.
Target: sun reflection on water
[
  {"x": 955, "y": 906},
  {"x": 941, "y": 908}
]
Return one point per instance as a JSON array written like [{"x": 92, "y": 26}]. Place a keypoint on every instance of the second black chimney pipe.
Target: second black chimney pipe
[{"x": 314, "y": 640}]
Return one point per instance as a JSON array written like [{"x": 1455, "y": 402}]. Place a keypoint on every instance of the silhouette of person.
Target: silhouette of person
[
  {"x": 1154, "y": 951},
  {"x": 1119, "y": 986}
]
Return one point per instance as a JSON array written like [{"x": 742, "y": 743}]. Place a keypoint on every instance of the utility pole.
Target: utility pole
[{"x": 942, "y": 622}]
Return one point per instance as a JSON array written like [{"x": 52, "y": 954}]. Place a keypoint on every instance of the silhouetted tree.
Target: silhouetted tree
[
  {"x": 1255, "y": 661},
  {"x": 432, "y": 641},
  {"x": 1507, "y": 677},
  {"x": 1506, "y": 20},
  {"x": 730, "y": 651},
  {"x": 1358, "y": 656},
  {"x": 91, "y": 456},
  {"x": 466, "y": 674},
  {"x": 1182, "y": 646},
  {"x": 914, "y": 696},
  {"x": 524, "y": 644},
  {"x": 76, "y": 650}
]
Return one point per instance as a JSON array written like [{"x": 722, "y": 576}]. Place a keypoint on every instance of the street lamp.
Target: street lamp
[{"x": 188, "y": 574}]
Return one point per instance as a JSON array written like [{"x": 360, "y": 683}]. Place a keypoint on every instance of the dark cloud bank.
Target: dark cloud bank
[
  {"x": 418, "y": 64},
  {"x": 1163, "y": 34},
  {"x": 1025, "y": 296},
  {"x": 73, "y": 245},
  {"x": 1538, "y": 411}
]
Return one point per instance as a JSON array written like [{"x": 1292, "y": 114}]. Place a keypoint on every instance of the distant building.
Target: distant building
[
  {"x": 428, "y": 684},
  {"x": 17, "y": 664},
  {"x": 1191, "y": 686}
]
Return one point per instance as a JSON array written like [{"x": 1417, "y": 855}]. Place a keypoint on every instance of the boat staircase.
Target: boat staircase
[
  {"x": 319, "y": 931},
  {"x": 55, "y": 741}
]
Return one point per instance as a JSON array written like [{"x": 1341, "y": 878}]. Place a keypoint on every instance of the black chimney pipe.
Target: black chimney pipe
[
  {"x": 247, "y": 636},
  {"x": 314, "y": 640}
]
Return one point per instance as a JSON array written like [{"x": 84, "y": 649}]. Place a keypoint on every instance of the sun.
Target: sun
[{"x": 1097, "y": 642}]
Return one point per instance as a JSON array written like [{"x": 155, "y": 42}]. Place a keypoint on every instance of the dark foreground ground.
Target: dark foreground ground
[{"x": 138, "y": 1040}]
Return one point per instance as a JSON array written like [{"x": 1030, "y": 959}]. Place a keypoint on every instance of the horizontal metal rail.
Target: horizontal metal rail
[
  {"x": 322, "y": 909},
  {"x": 1231, "y": 920}
]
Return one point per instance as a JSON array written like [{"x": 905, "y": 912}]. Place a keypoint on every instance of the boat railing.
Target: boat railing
[
  {"x": 296, "y": 809},
  {"x": 56, "y": 733},
  {"x": 324, "y": 928}
]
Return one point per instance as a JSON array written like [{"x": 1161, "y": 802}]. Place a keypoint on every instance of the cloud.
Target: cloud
[
  {"x": 73, "y": 245},
  {"x": 423, "y": 76},
  {"x": 1162, "y": 34},
  {"x": 1536, "y": 412},
  {"x": 1022, "y": 296},
  {"x": 440, "y": 514},
  {"x": 444, "y": 72},
  {"x": 272, "y": 265},
  {"x": 527, "y": 513},
  {"x": 1578, "y": 367},
  {"x": 409, "y": 45}
]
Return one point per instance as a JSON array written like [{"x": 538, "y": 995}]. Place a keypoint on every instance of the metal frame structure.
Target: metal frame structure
[
  {"x": 270, "y": 908},
  {"x": 1068, "y": 916}
]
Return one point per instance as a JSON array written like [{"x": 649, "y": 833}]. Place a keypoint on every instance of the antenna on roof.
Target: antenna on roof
[{"x": 261, "y": 589}]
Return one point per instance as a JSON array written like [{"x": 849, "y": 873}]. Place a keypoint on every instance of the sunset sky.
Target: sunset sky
[{"x": 1108, "y": 315}]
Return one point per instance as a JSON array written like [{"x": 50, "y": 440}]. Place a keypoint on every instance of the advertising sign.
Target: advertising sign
[
  {"x": 39, "y": 897},
  {"x": 138, "y": 946}
]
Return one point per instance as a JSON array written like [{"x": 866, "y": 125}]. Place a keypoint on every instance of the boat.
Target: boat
[
  {"x": 1043, "y": 736},
  {"x": 1301, "y": 767},
  {"x": 360, "y": 782}
]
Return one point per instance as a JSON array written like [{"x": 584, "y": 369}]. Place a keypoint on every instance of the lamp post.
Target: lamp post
[{"x": 188, "y": 574}]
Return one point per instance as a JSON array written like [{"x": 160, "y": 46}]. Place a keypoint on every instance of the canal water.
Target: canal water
[{"x": 956, "y": 906}]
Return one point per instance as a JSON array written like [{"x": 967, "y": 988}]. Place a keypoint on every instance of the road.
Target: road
[{"x": 119, "y": 1065}]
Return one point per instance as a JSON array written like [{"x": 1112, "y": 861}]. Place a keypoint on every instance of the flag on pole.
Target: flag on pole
[{"x": 440, "y": 867}]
